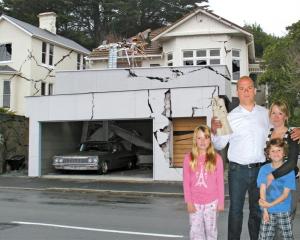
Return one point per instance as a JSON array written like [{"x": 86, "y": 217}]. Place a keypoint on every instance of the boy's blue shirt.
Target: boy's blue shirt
[{"x": 276, "y": 188}]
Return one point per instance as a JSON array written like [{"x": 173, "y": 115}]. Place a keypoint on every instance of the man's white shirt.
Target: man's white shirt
[{"x": 250, "y": 131}]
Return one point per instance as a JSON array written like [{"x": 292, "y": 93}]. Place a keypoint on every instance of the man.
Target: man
[{"x": 250, "y": 126}]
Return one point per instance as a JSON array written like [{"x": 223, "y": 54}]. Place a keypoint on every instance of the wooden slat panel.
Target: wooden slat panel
[{"x": 182, "y": 144}]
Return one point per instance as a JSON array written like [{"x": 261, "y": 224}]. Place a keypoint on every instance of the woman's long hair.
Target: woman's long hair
[{"x": 210, "y": 160}]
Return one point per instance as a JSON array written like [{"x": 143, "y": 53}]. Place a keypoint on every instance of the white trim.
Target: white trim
[
  {"x": 16, "y": 25},
  {"x": 124, "y": 57},
  {"x": 218, "y": 18},
  {"x": 42, "y": 38}
]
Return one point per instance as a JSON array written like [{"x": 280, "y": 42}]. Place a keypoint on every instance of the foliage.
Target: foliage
[
  {"x": 6, "y": 111},
  {"x": 89, "y": 22},
  {"x": 261, "y": 39},
  {"x": 282, "y": 61}
]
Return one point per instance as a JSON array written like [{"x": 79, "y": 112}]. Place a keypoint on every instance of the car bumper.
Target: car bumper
[{"x": 76, "y": 167}]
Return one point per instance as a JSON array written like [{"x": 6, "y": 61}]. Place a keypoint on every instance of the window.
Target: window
[
  {"x": 170, "y": 59},
  {"x": 47, "y": 53},
  {"x": 43, "y": 89},
  {"x": 51, "y": 52},
  {"x": 78, "y": 61},
  {"x": 50, "y": 89},
  {"x": 6, "y": 94},
  {"x": 201, "y": 57},
  {"x": 83, "y": 63},
  {"x": 44, "y": 52},
  {"x": 154, "y": 65},
  {"x": 5, "y": 52},
  {"x": 236, "y": 64}
]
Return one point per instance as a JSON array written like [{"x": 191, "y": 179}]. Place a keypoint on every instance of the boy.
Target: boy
[{"x": 275, "y": 199}]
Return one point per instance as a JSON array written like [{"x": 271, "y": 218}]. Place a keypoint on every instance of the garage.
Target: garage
[
  {"x": 152, "y": 115},
  {"x": 74, "y": 141}
]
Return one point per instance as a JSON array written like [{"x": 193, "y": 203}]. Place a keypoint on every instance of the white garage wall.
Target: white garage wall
[{"x": 160, "y": 101}]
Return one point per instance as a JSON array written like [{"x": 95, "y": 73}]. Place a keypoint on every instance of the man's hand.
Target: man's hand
[
  {"x": 191, "y": 208},
  {"x": 295, "y": 134},
  {"x": 215, "y": 124}
]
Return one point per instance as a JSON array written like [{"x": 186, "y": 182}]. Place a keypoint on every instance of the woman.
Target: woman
[{"x": 279, "y": 115}]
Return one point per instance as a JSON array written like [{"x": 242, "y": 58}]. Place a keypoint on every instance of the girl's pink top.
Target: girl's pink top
[{"x": 201, "y": 186}]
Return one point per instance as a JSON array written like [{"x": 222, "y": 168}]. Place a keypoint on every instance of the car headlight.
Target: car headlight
[
  {"x": 93, "y": 159},
  {"x": 57, "y": 160}
]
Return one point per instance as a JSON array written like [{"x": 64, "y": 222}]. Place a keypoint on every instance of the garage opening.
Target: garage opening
[{"x": 94, "y": 148}]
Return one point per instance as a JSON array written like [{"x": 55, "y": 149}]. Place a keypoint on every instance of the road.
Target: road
[
  {"x": 48, "y": 215},
  {"x": 40, "y": 215}
]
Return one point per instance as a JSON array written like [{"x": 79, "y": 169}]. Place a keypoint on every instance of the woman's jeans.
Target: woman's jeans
[{"x": 242, "y": 179}]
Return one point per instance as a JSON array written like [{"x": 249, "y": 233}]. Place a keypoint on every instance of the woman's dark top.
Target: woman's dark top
[{"x": 292, "y": 157}]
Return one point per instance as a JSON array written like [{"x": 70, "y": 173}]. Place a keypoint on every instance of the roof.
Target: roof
[
  {"x": 45, "y": 35},
  {"x": 209, "y": 14},
  {"x": 248, "y": 35},
  {"x": 147, "y": 49},
  {"x": 7, "y": 69}
]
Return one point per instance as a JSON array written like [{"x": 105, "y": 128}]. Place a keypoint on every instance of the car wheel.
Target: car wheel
[
  {"x": 103, "y": 168},
  {"x": 130, "y": 164}
]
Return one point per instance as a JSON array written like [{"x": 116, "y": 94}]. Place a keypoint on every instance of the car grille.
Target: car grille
[{"x": 75, "y": 160}]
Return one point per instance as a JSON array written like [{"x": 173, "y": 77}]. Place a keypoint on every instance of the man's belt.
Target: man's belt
[{"x": 251, "y": 165}]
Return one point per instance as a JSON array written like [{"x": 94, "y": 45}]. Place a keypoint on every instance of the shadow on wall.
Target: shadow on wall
[{"x": 13, "y": 142}]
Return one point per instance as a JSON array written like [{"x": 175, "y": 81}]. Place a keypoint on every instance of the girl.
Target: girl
[{"x": 203, "y": 183}]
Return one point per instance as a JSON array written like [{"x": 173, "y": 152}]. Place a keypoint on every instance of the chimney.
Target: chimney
[{"x": 48, "y": 21}]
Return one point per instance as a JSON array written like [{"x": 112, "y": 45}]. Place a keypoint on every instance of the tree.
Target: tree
[
  {"x": 261, "y": 39},
  {"x": 282, "y": 61},
  {"x": 89, "y": 22}
]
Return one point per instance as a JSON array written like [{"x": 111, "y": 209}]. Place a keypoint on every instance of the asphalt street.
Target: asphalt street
[{"x": 47, "y": 208}]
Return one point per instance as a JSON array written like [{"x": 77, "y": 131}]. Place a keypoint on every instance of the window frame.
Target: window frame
[
  {"x": 237, "y": 59},
  {"x": 43, "y": 88},
  {"x": 10, "y": 54},
  {"x": 48, "y": 54},
  {"x": 50, "y": 89},
  {"x": 8, "y": 95},
  {"x": 195, "y": 58},
  {"x": 170, "y": 61}
]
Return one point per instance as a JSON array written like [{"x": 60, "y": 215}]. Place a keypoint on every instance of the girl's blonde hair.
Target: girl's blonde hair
[
  {"x": 283, "y": 107},
  {"x": 210, "y": 160}
]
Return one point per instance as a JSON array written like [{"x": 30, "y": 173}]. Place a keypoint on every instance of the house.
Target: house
[
  {"x": 199, "y": 38},
  {"x": 29, "y": 58},
  {"x": 161, "y": 91}
]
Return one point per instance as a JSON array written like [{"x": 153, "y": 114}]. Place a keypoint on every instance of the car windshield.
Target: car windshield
[{"x": 84, "y": 147}]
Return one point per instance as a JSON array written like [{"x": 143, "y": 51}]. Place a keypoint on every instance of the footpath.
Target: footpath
[
  {"x": 92, "y": 184},
  {"x": 102, "y": 184}
]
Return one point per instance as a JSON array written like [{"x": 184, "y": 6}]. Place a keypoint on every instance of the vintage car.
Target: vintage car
[{"x": 96, "y": 155}]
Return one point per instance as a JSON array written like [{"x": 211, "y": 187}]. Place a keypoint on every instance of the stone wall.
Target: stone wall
[{"x": 13, "y": 138}]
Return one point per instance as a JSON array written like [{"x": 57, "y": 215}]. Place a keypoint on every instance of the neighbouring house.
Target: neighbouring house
[
  {"x": 160, "y": 89},
  {"x": 29, "y": 58}
]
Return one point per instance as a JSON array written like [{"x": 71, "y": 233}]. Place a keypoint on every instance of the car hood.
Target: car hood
[{"x": 83, "y": 154}]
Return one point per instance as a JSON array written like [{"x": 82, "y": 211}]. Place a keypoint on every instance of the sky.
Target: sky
[{"x": 272, "y": 15}]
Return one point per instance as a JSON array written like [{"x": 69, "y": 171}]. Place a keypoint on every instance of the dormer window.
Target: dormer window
[
  {"x": 47, "y": 53},
  {"x": 5, "y": 52}
]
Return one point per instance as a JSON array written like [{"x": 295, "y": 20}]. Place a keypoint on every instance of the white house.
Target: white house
[
  {"x": 165, "y": 93},
  {"x": 200, "y": 38},
  {"x": 29, "y": 58}
]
